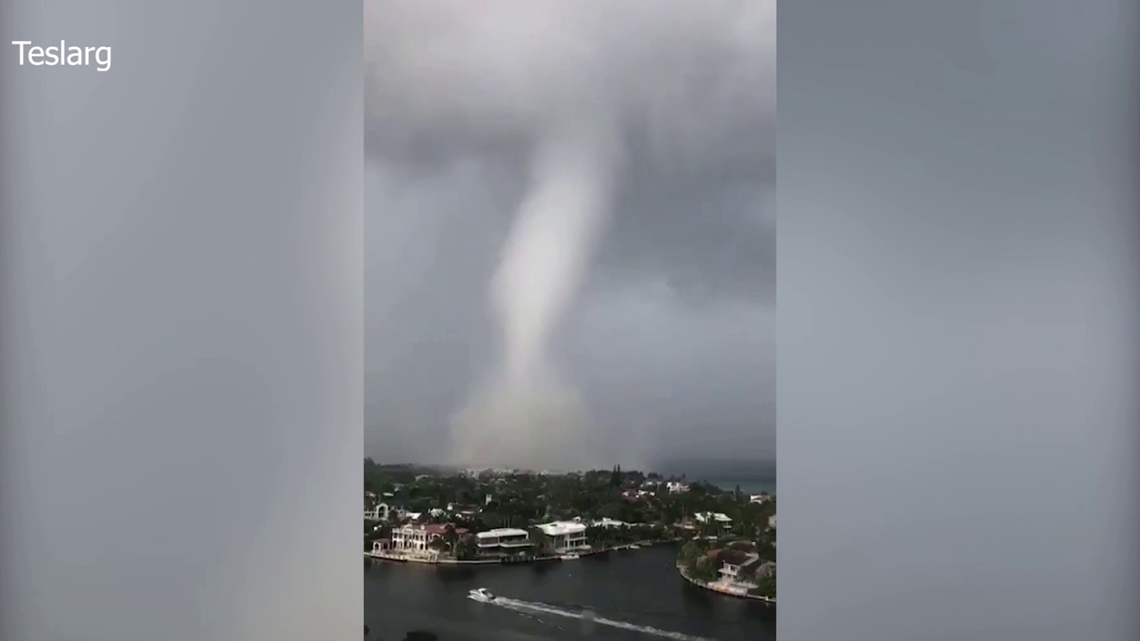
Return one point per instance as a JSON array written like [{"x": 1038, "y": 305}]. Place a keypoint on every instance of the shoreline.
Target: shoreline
[
  {"x": 701, "y": 584},
  {"x": 399, "y": 558}
]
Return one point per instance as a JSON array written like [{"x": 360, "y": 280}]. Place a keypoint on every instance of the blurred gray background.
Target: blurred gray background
[
  {"x": 181, "y": 323},
  {"x": 958, "y": 316}
]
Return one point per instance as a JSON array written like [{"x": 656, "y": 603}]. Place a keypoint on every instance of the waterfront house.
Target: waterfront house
[
  {"x": 565, "y": 536},
  {"x": 500, "y": 541},
  {"x": 737, "y": 566},
  {"x": 381, "y": 546},
  {"x": 418, "y": 538}
]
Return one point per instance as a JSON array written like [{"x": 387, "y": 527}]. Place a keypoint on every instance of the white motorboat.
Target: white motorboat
[
  {"x": 569, "y": 557},
  {"x": 483, "y": 595},
  {"x": 635, "y": 547}
]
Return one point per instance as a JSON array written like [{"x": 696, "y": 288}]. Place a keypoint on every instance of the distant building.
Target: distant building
[
  {"x": 465, "y": 511},
  {"x": 378, "y": 512},
  {"x": 503, "y": 541},
  {"x": 718, "y": 517},
  {"x": 565, "y": 536},
  {"x": 676, "y": 487},
  {"x": 609, "y": 523},
  {"x": 762, "y": 497}
]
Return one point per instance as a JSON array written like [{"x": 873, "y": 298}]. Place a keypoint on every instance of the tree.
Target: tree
[
  {"x": 766, "y": 550},
  {"x": 689, "y": 554},
  {"x": 465, "y": 548},
  {"x": 766, "y": 586},
  {"x": 705, "y": 569},
  {"x": 450, "y": 535}
]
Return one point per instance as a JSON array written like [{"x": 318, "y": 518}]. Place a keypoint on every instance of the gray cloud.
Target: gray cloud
[{"x": 671, "y": 332}]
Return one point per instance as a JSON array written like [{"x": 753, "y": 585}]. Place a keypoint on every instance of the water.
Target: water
[
  {"x": 621, "y": 596},
  {"x": 751, "y": 476}
]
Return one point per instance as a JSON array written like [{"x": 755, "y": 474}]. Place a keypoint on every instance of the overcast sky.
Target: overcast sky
[{"x": 670, "y": 335}]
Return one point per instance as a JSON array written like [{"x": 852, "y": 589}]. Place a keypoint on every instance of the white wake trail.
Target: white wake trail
[{"x": 529, "y": 606}]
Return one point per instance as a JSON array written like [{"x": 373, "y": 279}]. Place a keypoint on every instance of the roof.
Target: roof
[
  {"x": 560, "y": 528},
  {"x": 736, "y": 557},
  {"x": 433, "y": 528},
  {"x": 604, "y": 521},
  {"x": 501, "y": 531},
  {"x": 713, "y": 516}
]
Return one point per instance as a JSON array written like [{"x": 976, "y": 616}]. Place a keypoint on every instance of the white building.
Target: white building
[
  {"x": 410, "y": 537},
  {"x": 735, "y": 569},
  {"x": 719, "y": 517},
  {"x": 732, "y": 564},
  {"x": 418, "y": 538},
  {"x": 762, "y": 497},
  {"x": 503, "y": 541},
  {"x": 608, "y": 523},
  {"x": 676, "y": 487},
  {"x": 566, "y": 536},
  {"x": 377, "y": 513}
]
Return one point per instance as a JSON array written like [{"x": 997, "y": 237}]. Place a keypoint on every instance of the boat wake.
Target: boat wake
[{"x": 530, "y": 607}]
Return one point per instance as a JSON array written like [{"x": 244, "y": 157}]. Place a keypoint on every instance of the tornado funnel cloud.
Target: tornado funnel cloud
[{"x": 526, "y": 413}]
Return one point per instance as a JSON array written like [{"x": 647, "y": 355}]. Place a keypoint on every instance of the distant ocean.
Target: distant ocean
[{"x": 751, "y": 476}]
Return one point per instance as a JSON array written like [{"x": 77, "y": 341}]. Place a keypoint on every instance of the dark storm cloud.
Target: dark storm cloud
[{"x": 672, "y": 333}]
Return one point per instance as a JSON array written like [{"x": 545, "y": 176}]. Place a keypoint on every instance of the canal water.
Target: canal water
[{"x": 621, "y": 596}]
